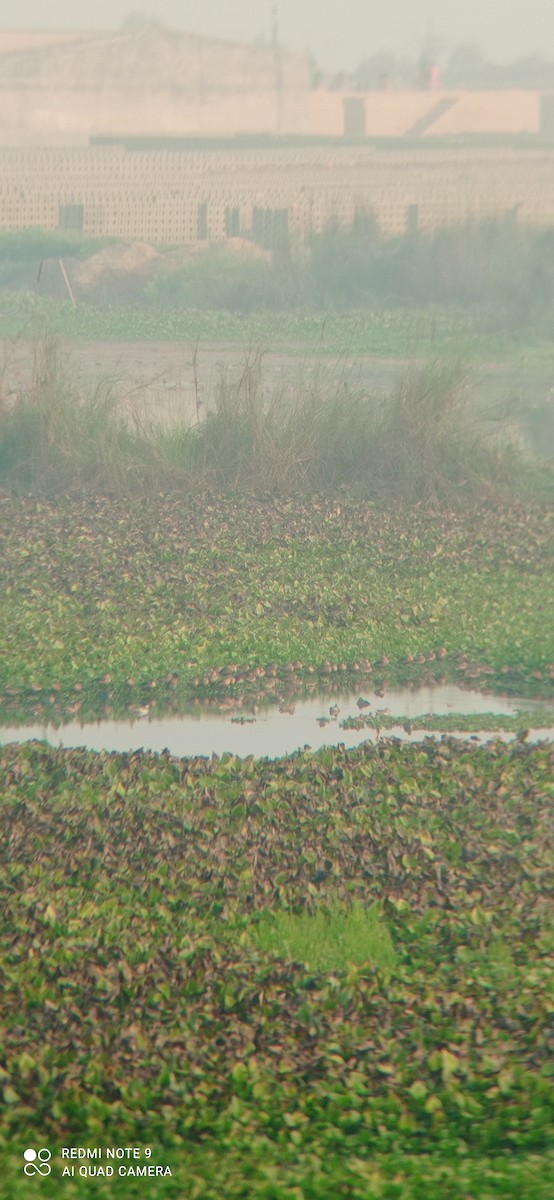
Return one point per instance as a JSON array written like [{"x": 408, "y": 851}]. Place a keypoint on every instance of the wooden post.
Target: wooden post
[{"x": 67, "y": 283}]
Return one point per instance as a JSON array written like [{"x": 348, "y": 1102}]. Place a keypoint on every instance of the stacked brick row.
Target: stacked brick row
[{"x": 184, "y": 197}]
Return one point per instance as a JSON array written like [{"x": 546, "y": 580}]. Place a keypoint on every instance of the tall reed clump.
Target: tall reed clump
[
  {"x": 428, "y": 446},
  {"x": 54, "y": 438},
  {"x": 419, "y": 445},
  {"x": 312, "y": 436}
]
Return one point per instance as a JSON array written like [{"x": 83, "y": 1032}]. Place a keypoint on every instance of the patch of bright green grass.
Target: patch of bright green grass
[{"x": 329, "y": 941}]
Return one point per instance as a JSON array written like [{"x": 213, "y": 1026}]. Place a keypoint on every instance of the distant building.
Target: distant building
[
  {"x": 150, "y": 81},
  {"x": 64, "y": 89},
  {"x": 116, "y": 134}
]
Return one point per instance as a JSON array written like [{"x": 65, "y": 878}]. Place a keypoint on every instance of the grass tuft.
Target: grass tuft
[
  {"x": 429, "y": 447},
  {"x": 421, "y": 445},
  {"x": 329, "y": 941}
]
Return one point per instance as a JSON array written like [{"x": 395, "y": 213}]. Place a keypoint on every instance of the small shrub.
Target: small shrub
[
  {"x": 505, "y": 273},
  {"x": 220, "y": 279},
  {"x": 428, "y": 446}
]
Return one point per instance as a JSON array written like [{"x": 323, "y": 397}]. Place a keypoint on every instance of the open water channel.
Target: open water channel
[{"x": 276, "y": 730}]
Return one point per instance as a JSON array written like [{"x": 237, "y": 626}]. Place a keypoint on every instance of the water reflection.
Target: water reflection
[{"x": 275, "y": 731}]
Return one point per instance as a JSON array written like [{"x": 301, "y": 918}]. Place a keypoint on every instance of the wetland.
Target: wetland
[
  {"x": 276, "y": 756},
  {"x": 325, "y": 968}
]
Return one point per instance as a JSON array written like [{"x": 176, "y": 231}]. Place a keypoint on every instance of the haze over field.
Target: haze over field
[{"x": 338, "y": 32}]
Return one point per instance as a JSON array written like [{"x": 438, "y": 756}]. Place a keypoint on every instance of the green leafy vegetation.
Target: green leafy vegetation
[
  {"x": 326, "y": 975},
  {"x": 142, "y": 1004},
  {"x": 218, "y": 279},
  {"x": 265, "y": 1171},
  {"x": 390, "y": 332},
  {"x": 504, "y": 272},
  {"x": 331, "y": 973},
  {"x": 105, "y": 600},
  {"x": 540, "y": 717},
  {"x": 480, "y": 290}
]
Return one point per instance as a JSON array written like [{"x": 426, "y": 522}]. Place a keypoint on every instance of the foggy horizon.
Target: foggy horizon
[{"x": 339, "y": 36}]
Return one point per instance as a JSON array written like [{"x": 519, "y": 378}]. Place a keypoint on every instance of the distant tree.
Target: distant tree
[
  {"x": 533, "y": 71},
  {"x": 381, "y": 70},
  {"x": 140, "y": 20},
  {"x": 467, "y": 65}
]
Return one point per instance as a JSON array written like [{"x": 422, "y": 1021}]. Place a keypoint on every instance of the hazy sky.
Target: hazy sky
[{"x": 338, "y": 32}]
